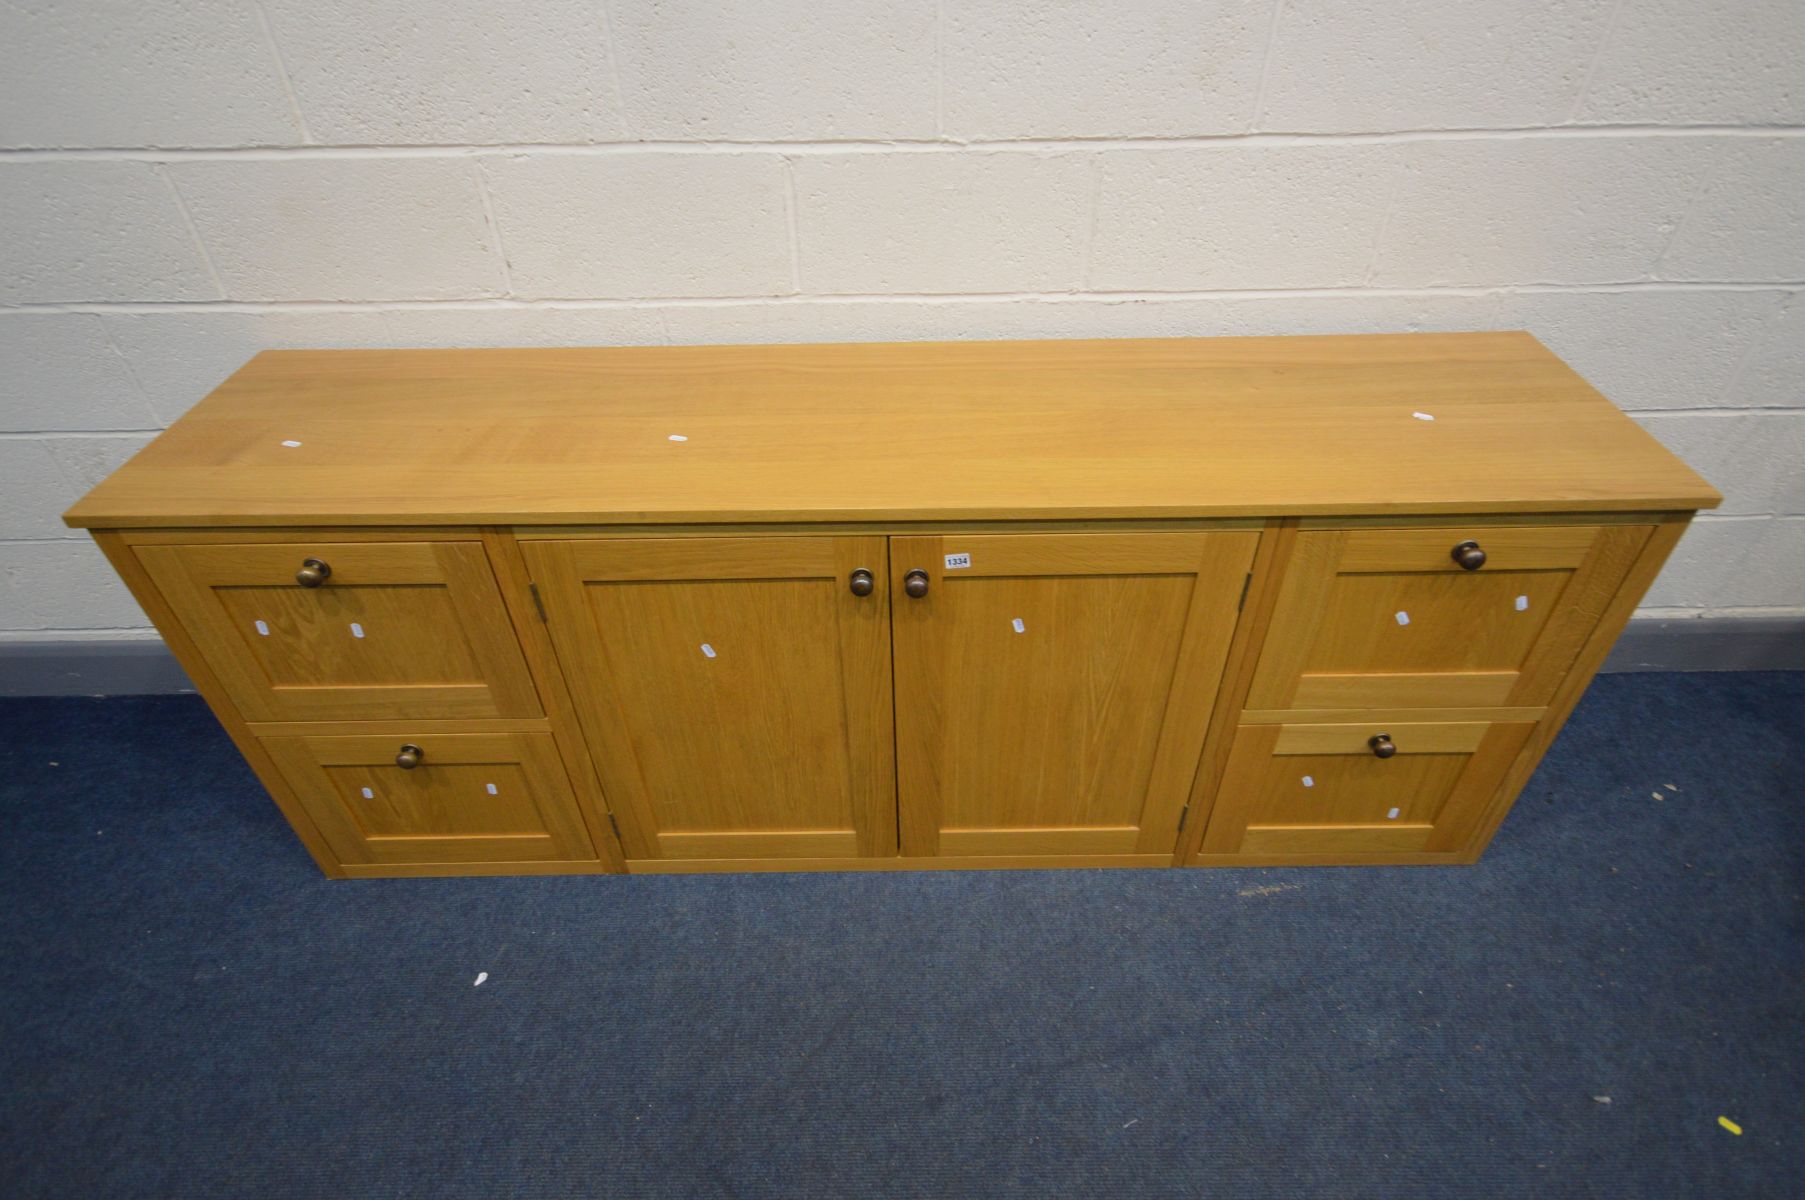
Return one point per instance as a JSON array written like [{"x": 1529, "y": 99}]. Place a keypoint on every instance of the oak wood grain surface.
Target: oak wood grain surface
[{"x": 1196, "y": 427}]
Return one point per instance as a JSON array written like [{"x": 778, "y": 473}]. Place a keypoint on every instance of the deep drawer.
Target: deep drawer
[
  {"x": 374, "y": 630},
  {"x": 1383, "y": 618},
  {"x": 432, "y": 797},
  {"x": 1359, "y": 791}
]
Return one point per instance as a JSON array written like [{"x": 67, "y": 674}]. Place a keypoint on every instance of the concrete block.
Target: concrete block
[
  {"x": 754, "y": 70},
  {"x": 1753, "y": 458},
  {"x": 444, "y": 72},
  {"x": 1240, "y": 216},
  {"x": 59, "y": 372},
  {"x": 1736, "y": 562},
  {"x": 643, "y": 225},
  {"x": 65, "y": 584},
  {"x": 343, "y": 228},
  {"x": 147, "y": 73},
  {"x": 1089, "y": 68},
  {"x": 95, "y": 231},
  {"x": 1686, "y": 63},
  {"x": 1747, "y": 225}
]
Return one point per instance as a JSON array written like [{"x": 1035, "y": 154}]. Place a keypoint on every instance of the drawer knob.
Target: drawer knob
[
  {"x": 1469, "y": 556},
  {"x": 861, "y": 582},
  {"x": 409, "y": 757},
  {"x": 313, "y": 573},
  {"x": 916, "y": 583},
  {"x": 1383, "y": 746}
]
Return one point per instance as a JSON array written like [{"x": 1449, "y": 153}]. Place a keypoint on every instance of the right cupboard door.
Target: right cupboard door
[{"x": 1053, "y": 689}]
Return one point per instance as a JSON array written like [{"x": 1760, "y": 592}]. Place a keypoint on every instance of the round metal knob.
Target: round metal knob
[
  {"x": 916, "y": 583},
  {"x": 861, "y": 582},
  {"x": 409, "y": 757},
  {"x": 313, "y": 573},
  {"x": 1468, "y": 555},
  {"x": 1382, "y": 745}
]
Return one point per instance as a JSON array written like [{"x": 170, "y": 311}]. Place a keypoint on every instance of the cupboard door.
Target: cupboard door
[
  {"x": 1052, "y": 690},
  {"x": 1359, "y": 792},
  {"x": 377, "y": 630},
  {"x": 1389, "y": 618},
  {"x": 428, "y": 797},
  {"x": 736, "y": 690}
]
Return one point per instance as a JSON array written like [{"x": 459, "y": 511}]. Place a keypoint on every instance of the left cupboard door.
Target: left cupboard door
[
  {"x": 430, "y": 797},
  {"x": 353, "y": 631},
  {"x": 736, "y": 691}
]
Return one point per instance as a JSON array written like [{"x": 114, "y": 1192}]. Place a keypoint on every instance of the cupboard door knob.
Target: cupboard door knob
[
  {"x": 1383, "y": 746},
  {"x": 861, "y": 582},
  {"x": 409, "y": 757},
  {"x": 1468, "y": 555},
  {"x": 313, "y": 573},
  {"x": 916, "y": 583}
]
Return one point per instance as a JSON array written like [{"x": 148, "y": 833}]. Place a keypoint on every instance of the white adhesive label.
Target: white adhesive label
[
  {"x": 1392, "y": 815},
  {"x": 357, "y": 630},
  {"x": 677, "y": 437},
  {"x": 492, "y": 790},
  {"x": 957, "y": 562},
  {"x": 369, "y": 795},
  {"x": 1019, "y": 627},
  {"x": 480, "y": 976},
  {"x": 707, "y": 650},
  {"x": 1309, "y": 781},
  {"x": 291, "y": 443},
  {"x": 1422, "y": 416},
  {"x": 263, "y": 628},
  {"x": 1403, "y": 618},
  {"x": 1522, "y": 603}
]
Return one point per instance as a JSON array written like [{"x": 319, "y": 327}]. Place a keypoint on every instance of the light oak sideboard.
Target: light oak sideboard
[{"x": 1186, "y": 602}]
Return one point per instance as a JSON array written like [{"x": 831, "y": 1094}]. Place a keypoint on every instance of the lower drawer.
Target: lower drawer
[
  {"x": 436, "y": 797},
  {"x": 1359, "y": 792}
]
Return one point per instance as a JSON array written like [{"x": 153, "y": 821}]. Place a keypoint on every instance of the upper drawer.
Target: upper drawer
[
  {"x": 408, "y": 630},
  {"x": 1390, "y": 618}
]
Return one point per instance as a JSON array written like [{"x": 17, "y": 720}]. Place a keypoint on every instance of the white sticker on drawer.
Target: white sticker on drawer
[
  {"x": 1392, "y": 815},
  {"x": 1522, "y": 603},
  {"x": 1403, "y": 618},
  {"x": 292, "y": 444},
  {"x": 1020, "y": 627},
  {"x": 263, "y": 628},
  {"x": 1309, "y": 781},
  {"x": 492, "y": 790},
  {"x": 957, "y": 562},
  {"x": 369, "y": 795},
  {"x": 357, "y": 630},
  {"x": 707, "y": 650}
]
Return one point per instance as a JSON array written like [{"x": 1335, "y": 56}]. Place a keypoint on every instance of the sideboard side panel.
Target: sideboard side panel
[{"x": 125, "y": 561}]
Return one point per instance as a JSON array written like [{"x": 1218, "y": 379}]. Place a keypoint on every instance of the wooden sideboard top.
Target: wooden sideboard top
[{"x": 1192, "y": 427}]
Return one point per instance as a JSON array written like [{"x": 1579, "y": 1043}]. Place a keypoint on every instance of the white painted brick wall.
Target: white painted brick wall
[{"x": 186, "y": 182}]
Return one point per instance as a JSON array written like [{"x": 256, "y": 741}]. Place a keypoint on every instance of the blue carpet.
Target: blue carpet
[{"x": 191, "y": 1010}]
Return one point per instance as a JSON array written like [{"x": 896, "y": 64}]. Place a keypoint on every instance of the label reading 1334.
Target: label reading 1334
[{"x": 955, "y": 561}]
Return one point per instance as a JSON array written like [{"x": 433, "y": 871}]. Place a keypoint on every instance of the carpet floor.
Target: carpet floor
[{"x": 190, "y": 1010}]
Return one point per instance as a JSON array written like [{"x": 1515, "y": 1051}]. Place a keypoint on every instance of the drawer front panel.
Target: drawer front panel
[
  {"x": 1325, "y": 789},
  {"x": 401, "y": 630},
  {"x": 470, "y": 797},
  {"x": 1388, "y": 618}
]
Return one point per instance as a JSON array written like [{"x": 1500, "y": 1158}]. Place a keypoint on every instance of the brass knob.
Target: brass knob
[
  {"x": 916, "y": 583},
  {"x": 1468, "y": 555},
  {"x": 409, "y": 757},
  {"x": 1382, "y": 745},
  {"x": 313, "y": 573},
  {"x": 861, "y": 582}
]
